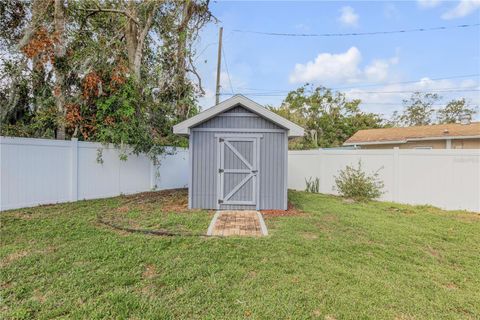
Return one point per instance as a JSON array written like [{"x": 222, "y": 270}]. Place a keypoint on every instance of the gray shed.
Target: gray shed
[{"x": 238, "y": 156}]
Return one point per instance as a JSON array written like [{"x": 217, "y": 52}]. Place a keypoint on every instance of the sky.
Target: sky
[{"x": 373, "y": 68}]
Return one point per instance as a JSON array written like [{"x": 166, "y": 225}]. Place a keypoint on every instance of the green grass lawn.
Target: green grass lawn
[{"x": 334, "y": 261}]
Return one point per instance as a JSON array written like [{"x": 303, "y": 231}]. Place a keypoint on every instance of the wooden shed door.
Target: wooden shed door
[{"x": 237, "y": 160}]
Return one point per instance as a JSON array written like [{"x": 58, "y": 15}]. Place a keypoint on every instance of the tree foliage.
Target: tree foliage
[
  {"x": 455, "y": 111},
  {"x": 418, "y": 110},
  {"x": 329, "y": 118},
  {"x": 116, "y": 72}
]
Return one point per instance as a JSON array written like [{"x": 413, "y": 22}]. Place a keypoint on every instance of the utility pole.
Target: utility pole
[{"x": 219, "y": 64}]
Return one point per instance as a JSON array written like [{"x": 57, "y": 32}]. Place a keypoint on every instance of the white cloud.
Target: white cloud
[
  {"x": 428, "y": 3},
  {"x": 464, "y": 8},
  {"x": 348, "y": 16},
  {"x": 379, "y": 69},
  {"x": 388, "y": 98},
  {"x": 328, "y": 68}
]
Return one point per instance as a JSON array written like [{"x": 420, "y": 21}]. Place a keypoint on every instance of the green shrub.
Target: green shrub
[
  {"x": 354, "y": 183},
  {"x": 313, "y": 185}
]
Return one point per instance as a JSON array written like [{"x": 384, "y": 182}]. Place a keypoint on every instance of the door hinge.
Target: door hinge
[
  {"x": 221, "y": 139},
  {"x": 220, "y": 170},
  {"x": 220, "y": 201}
]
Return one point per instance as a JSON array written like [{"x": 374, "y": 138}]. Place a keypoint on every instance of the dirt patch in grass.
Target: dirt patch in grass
[
  {"x": 451, "y": 286},
  {"x": 12, "y": 257},
  {"x": 309, "y": 236},
  {"x": 400, "y": 210},
  {"x": 172, "y": 200},
  {"x": 162, "y": 213},
  {"x": 24, "y": 215},
  {"x": 148, "y": 197},
  {"x": 291, "y": 211},
  {"x": 404, "y": 317},
  {"x": 123, "y": 209},
  {"x": 150, "y": 272},
  {"x": 433, "y": 252},
  {"x": 468, "y": 217},
  {"x": 38, "y": 296},
  {"x": 175, "y": 202},
  {"x": 330, "y": 217}
]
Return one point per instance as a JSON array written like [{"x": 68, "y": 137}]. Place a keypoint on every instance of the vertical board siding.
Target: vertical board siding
[
  {"x": 238, "y": 109},
  {"x": 204, "y": 184},
  {"x": 239, "y": 122},
  {"x": 272, "y": 162}
]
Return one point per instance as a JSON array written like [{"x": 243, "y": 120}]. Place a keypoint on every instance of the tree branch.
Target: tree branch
[
  {"x": 194, "y": 71},
  {"x": 99, "y": 9}
]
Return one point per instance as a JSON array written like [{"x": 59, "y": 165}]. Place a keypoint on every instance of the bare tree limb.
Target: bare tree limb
[
  {"x": 194, "y": 71},
  {"x": 99, "y": 9}
]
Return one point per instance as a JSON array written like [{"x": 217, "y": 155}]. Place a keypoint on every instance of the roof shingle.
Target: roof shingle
[{"x": 438, "y": 131}]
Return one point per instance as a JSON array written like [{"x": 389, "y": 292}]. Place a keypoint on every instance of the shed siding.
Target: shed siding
[
  {"x": 238, "y": 109},
  {"x": 271, "y": 175},
  {"x": 247, "y": 122}
]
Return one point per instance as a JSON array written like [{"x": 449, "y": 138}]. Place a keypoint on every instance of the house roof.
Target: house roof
[
  {"x": 403, "y": 135},
  {"x": 183, "y": 128}
]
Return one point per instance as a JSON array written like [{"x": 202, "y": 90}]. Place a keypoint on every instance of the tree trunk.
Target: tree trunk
[
  {"x": 59, "y": 67},
  {"x": 182, "y": 43},
  {"x": 131, "y": 35},
  {"x": 136, "y": 38},
  {"x": 141, "y": 42}
]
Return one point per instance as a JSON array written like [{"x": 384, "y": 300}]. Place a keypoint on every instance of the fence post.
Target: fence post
[
  {"x": 74, "y": 170},
  {"x": 321, "y": 173},
  {"x": 153, "y": 175},
  {"x": 396, "y": 174}
]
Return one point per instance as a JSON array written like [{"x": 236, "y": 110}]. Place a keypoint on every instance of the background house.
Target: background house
[{"x": 439, "y": 136}]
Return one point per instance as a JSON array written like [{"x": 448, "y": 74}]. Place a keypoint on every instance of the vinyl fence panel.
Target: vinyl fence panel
[
  {"x": 41, "y": 171},
  {"x": 449, "y": 179}
]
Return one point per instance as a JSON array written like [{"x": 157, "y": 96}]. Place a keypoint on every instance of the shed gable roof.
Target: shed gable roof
[{"x": 183, "y": 127}]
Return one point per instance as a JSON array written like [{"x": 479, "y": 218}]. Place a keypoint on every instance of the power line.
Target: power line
[
  {"x": 281, "y": 93},
  {"x": 225, "y": 40},
  {"x": 281, "y": 34},
  {"x": 226, "y": 69},
  {"x": 370, "y": 84},
  {"x": 409, "y": 81},
  {"x": 368, "y": 92},
  {"x": 432, "y": 90}
]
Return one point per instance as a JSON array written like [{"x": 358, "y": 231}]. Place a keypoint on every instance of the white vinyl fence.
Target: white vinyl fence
[
  {"x": 40, "y": 171},
  {"x": 449, "y": 179}
]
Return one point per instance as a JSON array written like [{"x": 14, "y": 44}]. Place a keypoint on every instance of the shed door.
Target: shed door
[{"x": 237, "y": 160}]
